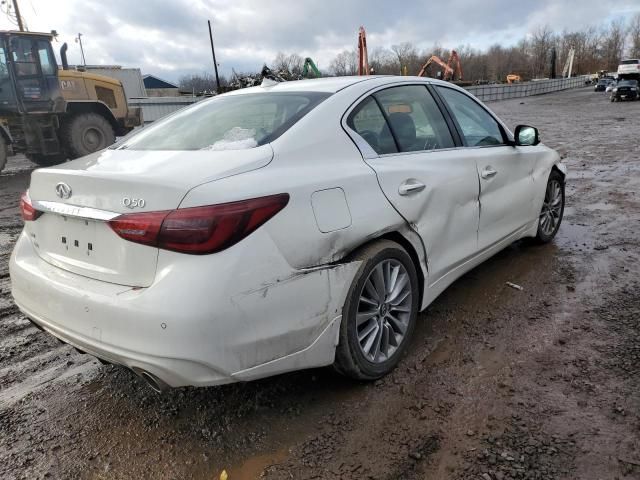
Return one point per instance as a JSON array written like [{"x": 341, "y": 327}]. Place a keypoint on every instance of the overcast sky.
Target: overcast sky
[{"x": 169, "y": 37}]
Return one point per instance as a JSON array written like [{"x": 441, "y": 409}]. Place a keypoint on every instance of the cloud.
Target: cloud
[{"x": 169, "y": 37}]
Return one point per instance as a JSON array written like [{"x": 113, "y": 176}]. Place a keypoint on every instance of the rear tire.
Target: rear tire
[
  {"x": 86, "y": 133},
  {"x": 382, "y": 300},
  {"x": 552, "y": 208}
]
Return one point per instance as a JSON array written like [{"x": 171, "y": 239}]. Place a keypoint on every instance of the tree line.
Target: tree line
[{"x": 599, "y": 47}]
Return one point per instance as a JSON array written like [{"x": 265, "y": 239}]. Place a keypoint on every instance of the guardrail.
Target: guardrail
[{"x": 526, "y": 89}]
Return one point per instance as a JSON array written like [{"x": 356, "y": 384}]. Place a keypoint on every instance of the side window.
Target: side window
[
  {"x": 46, "y": 62},
  {"x": 23, "y": 58},
  {"x": 478, "y": 127},
  {"x": 4, "y": 71},
  {"x": 369, "y": 122},
  {"x": 414, "y": 118}
]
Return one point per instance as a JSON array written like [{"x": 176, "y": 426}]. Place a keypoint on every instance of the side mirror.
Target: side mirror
[{"x": 526, "y": 135}]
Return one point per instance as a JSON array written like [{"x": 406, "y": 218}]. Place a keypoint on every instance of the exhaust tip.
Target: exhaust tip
[{"x": 150, "y": 379}]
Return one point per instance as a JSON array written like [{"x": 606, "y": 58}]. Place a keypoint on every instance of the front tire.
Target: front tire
[
  {"x": 552, "y": 208},
  {"x": 86, "y": 133},
  {"x": 379, "y": 314}
]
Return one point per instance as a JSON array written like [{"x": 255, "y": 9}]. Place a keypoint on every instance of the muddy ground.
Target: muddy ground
[{"x": 498, "y": 384}]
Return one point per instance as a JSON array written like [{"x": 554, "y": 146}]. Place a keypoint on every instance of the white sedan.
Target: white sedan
[{"x": 280, "y": 227}]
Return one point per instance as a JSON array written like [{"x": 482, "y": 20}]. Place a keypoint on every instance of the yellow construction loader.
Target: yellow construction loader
[{"x": 52, "y": 114}]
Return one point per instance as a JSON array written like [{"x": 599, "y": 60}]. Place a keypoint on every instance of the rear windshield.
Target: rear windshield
[
  {"x": 632, "y": 61},
  {"x": 227, "y": 123}
]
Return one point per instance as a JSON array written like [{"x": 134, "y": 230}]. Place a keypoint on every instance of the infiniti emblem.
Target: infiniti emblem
[{"x": 63, "y": 190}]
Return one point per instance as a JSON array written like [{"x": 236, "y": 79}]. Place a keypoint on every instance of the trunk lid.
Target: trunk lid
[{"x": 113, "y": 182}]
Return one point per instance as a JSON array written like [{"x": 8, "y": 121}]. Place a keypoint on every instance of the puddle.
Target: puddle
[
  {"x": 253, "y": 467},
  {"x": 600, "y": 206},
  {"x": 573, "y": 234}
]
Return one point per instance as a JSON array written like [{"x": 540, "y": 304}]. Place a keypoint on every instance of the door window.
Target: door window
[
  {"x": 47, "y": 64},
  {"x": 23, "y": 57},
  {"x": 414, "y": 118},
  {"x": 477, "y": 126},
  {"x": 369, "y": 122}
]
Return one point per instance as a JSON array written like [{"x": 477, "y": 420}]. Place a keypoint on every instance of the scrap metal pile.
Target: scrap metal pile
[{"x": 285, "y": 75}]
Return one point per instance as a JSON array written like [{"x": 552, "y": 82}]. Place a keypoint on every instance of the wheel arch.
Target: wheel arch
[
  {"x": 562, "y": 173},
  {"x": 403, "y": 239},
  {"x": 80, "y": 107}
]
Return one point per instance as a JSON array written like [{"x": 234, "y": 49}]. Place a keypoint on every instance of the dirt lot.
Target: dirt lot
[{"x": 499, "y": 383}]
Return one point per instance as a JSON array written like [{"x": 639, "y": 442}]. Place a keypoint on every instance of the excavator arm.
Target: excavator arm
[
  {"x": 310, "y": 64},
  {"x": 435, "y": 59},
  {"x": 363, "y": 57},
  {"x": 454, "y": 60}
]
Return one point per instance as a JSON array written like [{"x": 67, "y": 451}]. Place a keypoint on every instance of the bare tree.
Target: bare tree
[
  {"x": 200, "y": 83},
  {"x": 541, "y": 42},
  {"x": 345, "y": 63},
  {"x": 407, "y": 56},
  {"x": 598, "y": 47},
  {"x": 613, "y": 45},
  {"x": 634, "y": 36},
  {"x": 289, "y": 63}
]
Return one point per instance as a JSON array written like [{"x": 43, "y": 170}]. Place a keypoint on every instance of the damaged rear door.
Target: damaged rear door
[{"x": 430, "y": 182}]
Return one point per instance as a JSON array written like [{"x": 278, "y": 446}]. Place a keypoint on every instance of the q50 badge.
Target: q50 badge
[{"x": 133, "y": 202}]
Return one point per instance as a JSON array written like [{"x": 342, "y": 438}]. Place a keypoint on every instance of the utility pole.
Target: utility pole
[
  {"x": 18, "y": 17},
  {"x": 79, "y": 40},
  {"x": 213, "y": 52}
]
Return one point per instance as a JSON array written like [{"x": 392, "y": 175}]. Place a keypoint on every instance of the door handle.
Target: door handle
[
  {"x": 411, "y": 186},
  {"x": 488, "y": 173}
]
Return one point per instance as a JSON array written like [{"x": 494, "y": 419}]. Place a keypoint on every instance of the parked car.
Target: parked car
[
  {"x": 625, "y": 90},
  {"x": 280, "y": 227},
  {"x": 602, "y": 84},
  {"x": 610, "y": 87}
]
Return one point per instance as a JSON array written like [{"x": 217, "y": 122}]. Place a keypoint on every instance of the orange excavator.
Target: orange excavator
[
  {"x": 450, "y": 68},
  {"x": 363, "y": 57}
]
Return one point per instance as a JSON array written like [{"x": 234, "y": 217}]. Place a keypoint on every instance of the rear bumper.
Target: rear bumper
[{"x": 183, "y": 330}]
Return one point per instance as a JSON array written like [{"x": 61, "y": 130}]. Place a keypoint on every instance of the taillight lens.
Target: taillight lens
[
  {"x": 199, "y": 230},
  {"x": 27, "y": 211},
  {"x": 139, "y": 227}
]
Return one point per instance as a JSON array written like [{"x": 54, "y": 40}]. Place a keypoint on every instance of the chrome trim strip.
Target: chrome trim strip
[{"x": 75, "y": 211}]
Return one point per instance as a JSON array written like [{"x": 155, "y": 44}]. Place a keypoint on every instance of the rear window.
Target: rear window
[
  {"x": 227, "y": 123},
  {"x": 631, "y": 61}
]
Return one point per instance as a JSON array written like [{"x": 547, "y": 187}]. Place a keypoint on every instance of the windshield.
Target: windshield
[
  {"x": 628, "y": 83},
  {"x": 227, "y": 123}
]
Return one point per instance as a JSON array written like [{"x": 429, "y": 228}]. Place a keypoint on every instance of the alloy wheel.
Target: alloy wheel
[
  {"x": 551, "y": 208},
  {"x": 384, "y": 310}
]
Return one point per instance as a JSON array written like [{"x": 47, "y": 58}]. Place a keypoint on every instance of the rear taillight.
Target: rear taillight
[
  {"x": 199, "y": 230},
  {"x": 29, "y": 213}
]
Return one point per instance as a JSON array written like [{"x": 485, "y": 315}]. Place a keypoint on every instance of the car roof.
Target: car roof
[{"x": 333, "y": 84}]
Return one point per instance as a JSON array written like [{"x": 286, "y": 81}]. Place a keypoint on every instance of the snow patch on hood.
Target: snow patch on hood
[{"x": 237, "y": 138}]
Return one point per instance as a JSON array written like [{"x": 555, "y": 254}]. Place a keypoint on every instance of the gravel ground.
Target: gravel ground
[{"x": 498, "y": 384}]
